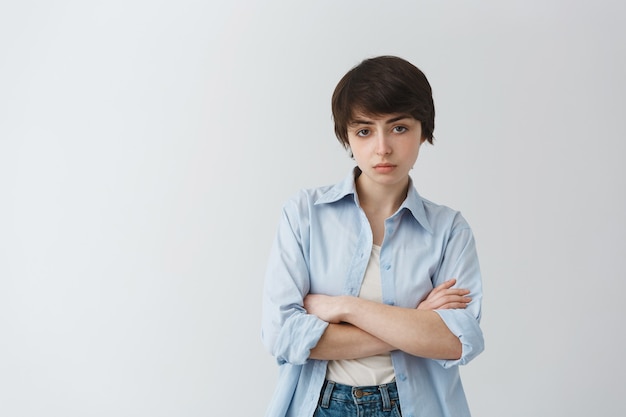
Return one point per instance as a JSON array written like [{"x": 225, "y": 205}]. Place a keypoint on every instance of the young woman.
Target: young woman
[{"x": 373, "y": 294}]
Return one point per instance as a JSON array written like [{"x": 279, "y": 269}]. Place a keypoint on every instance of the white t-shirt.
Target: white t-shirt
[{"x": 373, "y": 370}]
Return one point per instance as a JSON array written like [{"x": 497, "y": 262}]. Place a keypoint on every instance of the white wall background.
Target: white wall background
[{"x": 146, "y": 148}]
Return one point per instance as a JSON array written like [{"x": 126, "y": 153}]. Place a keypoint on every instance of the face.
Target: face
[{"x": 385, "y": 147}]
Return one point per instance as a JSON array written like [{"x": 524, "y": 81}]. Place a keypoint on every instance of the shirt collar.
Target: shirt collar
[{"x": 413, "y": 202}]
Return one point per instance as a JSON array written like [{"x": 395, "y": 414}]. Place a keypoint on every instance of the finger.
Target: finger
[
  {"x": 451, "y": 300},
  {"x": 453, "y": 305},
  {"x": 457, "y": 298},
  {"x": 449, "y": 283},
  {"x": 457, "y": 291},
  {"x": 444, "y": 285},
  {"x": 447, "y": 293}
]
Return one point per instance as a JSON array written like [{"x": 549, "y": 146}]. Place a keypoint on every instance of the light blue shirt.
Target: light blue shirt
[{"x": 322, "y": 246}]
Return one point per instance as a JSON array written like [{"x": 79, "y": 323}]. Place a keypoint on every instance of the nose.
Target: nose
[{"x": 382, "y": 144}]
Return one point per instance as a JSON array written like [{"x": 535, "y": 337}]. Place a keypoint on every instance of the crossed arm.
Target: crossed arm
[{"x": 359, "y": 328}]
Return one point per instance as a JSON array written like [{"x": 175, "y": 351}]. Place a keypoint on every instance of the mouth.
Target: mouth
[{"x": 384, "y": 167}]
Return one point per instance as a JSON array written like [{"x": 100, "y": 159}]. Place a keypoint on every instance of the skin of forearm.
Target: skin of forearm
[
  {"x": 345, "y": 341},
  {"x": 417, "y": 332}
]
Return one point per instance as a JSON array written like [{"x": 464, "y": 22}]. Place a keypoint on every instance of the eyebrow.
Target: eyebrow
[{"x": 389, "y": 121}]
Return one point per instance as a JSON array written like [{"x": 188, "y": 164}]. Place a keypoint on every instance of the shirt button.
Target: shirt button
[{"x": 387, "y": 267}]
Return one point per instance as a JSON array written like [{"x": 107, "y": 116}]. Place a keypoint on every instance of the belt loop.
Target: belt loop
[
  {"x": 328, "y": 390},
  {"x": 384, "y": 393}
]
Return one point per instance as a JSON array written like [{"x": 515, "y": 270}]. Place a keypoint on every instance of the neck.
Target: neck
[{"x": 382, "y": 199}]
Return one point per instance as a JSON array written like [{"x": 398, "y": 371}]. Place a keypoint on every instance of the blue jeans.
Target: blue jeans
[{"x": 338, "y": 400}]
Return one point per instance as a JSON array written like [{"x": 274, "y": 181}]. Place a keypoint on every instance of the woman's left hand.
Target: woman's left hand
[{"x": 445, "y": 297}]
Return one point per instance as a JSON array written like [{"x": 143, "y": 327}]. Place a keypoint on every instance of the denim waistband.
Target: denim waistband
[{"x": 387, "y": 394}]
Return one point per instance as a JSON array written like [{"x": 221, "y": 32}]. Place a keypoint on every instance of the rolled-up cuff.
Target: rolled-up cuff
[
  {"x": 467, "y": 329},
  {"x": 299, "y": 334}
]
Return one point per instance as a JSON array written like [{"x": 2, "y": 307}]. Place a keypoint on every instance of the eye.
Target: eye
[
  {"x": 363, "y": 132},
  {"x": 400, "y": 129}
]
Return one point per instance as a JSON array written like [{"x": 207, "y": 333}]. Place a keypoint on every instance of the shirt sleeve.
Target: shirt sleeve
[
  {"x": 460, "y": 261},
  {"x": 288, "y": 332}
]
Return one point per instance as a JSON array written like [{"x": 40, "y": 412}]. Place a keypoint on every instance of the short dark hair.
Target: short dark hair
[{"x": 383, "y": 85}]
